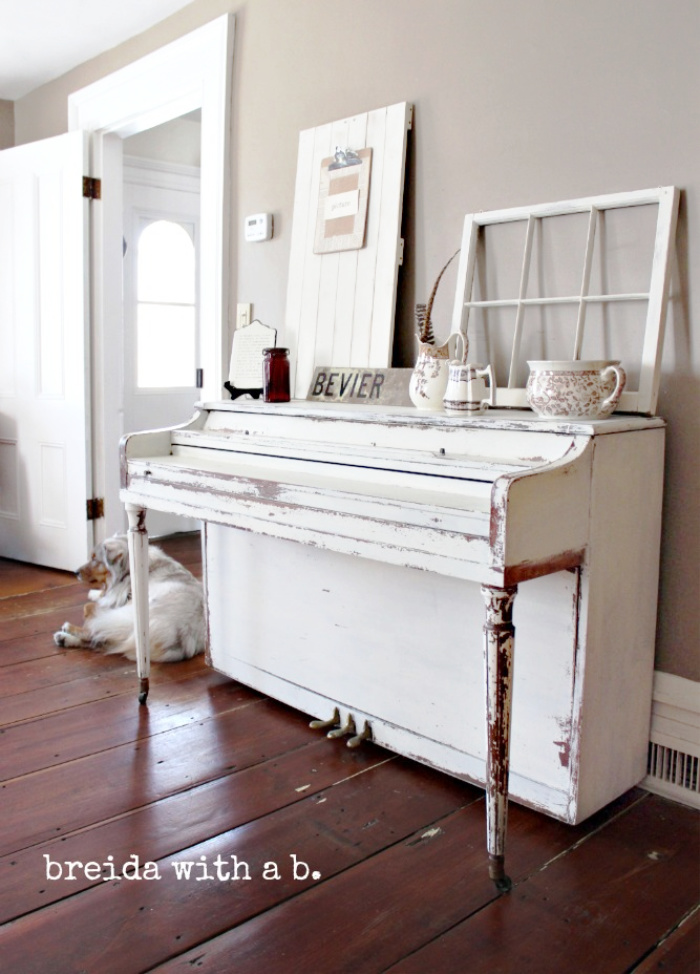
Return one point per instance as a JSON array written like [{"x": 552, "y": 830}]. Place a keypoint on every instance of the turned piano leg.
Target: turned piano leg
[
  {"x": 499, "y": 639},
  {"x": 138, "y": 559}
]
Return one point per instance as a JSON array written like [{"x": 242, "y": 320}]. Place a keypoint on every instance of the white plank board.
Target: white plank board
[{"x": 340, "y": 306}]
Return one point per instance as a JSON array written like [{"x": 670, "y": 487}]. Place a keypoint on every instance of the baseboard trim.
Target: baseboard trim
[{"x": 674, "y": 740}]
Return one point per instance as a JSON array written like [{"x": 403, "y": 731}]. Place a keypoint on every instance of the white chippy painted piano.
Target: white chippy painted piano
[
  {"x": 359, "y": 559},
  {"x": 441, "y": 512}
]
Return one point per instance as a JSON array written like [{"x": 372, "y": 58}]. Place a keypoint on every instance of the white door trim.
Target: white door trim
[{"x": 189, "y": 73}]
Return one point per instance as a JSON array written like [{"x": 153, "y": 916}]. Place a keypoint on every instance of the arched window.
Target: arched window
[{"x": 166, "y": 320}]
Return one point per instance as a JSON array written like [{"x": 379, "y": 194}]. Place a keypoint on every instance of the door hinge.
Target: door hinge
[
  {"x": 95, "y": 508},
  {"x": 92, "y": 188},
  {"x": 199, "y": 379}
]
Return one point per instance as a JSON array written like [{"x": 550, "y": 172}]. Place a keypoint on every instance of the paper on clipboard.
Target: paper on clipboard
[{"x": 342, "y": 203}]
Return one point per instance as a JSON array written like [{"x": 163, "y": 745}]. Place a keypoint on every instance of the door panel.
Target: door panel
[{"x": 44, "y": 392}]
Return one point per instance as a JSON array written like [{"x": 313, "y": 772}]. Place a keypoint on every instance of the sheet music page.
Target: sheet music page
[{"x": 246, "y": 369}]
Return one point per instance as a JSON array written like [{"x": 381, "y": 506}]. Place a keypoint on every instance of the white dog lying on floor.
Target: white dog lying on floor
[{"x": 175, "y": 606}]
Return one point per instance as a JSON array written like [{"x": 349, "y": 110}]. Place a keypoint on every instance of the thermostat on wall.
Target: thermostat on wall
[{"x": 258, "y": 227}]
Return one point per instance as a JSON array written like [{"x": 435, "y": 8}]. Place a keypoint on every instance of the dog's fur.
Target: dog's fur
[{"x": 175, "y": 606}]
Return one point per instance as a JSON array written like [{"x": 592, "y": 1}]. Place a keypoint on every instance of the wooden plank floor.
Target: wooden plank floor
[{"x": 252, "y": 844}]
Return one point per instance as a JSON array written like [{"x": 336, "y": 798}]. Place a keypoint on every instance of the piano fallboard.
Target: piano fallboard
[{"x": 426, "y": 491}]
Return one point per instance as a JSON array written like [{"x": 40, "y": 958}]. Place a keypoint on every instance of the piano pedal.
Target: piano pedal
[
  {"x": 366, "y": 735},
  {"x": 322, "y": 724},
  {"x": 349, "y": 728}
]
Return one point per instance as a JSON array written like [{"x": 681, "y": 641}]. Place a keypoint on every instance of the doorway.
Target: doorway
[
  {"x": 161, "y": 257},
  {"x": 190, "y": 75}
]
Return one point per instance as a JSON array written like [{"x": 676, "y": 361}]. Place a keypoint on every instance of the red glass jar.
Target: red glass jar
[{"x": 276, "y": 375}]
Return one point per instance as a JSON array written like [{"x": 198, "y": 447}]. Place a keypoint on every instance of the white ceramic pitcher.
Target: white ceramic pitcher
[
  {"x": 466, "y": 388},
  {"x": 429, "y": 379}
]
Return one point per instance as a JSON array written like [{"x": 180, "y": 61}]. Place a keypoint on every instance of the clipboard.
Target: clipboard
[{"x": 343, "y": 196}]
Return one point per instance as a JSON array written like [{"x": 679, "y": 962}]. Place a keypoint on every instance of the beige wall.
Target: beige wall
[
  {"x": 7, "y": 124},
  {"x": 514, "y": 103},
  {"x": 177, "y": 141}
]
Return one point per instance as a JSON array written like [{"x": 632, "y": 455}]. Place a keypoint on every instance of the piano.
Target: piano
[{"x": 361, "y": 563}]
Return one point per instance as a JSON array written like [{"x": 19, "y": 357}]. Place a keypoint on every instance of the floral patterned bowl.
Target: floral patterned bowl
[{"x": 575, "y": 389}]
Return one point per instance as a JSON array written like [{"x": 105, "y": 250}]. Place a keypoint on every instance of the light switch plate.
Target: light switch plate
[{"x": 244, "y": 314}]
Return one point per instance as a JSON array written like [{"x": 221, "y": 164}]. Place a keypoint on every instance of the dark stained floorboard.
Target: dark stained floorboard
[
  {"x": 677, "y": 953},
  {"x": 579, "y": 907},
  {"x": 210, "y": 768}
]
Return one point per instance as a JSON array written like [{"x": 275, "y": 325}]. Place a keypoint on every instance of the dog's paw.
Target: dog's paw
[{"x": 66, "y": 639}]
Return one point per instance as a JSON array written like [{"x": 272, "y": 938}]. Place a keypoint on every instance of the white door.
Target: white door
[
  {"x": 45, "y": 469},
  {"x": 161, "y": 307}
]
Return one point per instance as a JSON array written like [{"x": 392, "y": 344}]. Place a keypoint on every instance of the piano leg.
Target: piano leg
[
  {"x": 138, "y": 559},
  {"x": 499, "y": 639}
]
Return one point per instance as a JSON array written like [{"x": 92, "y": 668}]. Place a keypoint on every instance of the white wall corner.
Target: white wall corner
[{"x": 674, "y": 740}]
